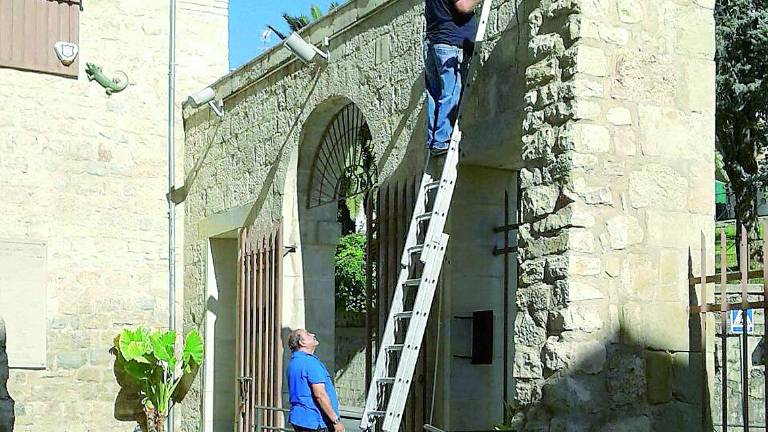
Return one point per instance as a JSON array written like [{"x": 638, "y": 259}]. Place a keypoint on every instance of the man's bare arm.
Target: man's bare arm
[
  {"x": 465, "y": 6},
  {"x": 318, "y": 391}
]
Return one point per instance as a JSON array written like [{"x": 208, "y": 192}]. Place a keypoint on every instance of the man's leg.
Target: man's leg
[
  {"x": 448, "y": 59},
  {"x": 432, "y": 85}
]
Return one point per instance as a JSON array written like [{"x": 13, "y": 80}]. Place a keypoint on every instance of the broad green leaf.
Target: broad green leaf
[
  {"x": 163, "y": 344},
  {"x": 134, "y": 345},
  {"x": 193, "y": 350},
  {"x": 138, "y": 371}
]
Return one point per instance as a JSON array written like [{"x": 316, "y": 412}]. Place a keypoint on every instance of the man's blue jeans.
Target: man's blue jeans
[{"x": 444, "y": 73}]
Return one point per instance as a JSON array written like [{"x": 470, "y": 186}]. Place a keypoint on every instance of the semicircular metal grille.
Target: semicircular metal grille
[{"x": 344, "y": 165}]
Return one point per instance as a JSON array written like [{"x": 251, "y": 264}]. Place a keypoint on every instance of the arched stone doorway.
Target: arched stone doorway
[{"x": 329, "y": 180}]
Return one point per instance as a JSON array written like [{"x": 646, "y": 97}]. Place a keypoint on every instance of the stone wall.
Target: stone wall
[
  {"x": 606, "y": 109},
  {"x": 253, "y": 166},
  {"x": 86, "y": 175},
  {"x": 617, "y": 190}
]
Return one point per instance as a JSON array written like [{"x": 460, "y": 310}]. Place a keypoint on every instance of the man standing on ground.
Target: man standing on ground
[
  {"x": 314, "y": 405},
  {"x": 451, "y": 29}
]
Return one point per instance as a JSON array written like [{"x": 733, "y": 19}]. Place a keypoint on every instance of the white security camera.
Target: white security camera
[
  {"x": 207, "y": 96},
  {"x": 302, "y": 49}
]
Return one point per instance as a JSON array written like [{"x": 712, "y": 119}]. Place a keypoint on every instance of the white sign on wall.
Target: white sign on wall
[{"x": 23, "y": 302}]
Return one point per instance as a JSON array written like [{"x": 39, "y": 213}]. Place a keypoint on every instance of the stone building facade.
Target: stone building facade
[
  {"x": 596, "y": 116},
  {"x": 83, "y": 181}
]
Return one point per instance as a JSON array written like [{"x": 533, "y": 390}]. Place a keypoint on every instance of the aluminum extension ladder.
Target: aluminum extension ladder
[{"x": 416, "y": 284}]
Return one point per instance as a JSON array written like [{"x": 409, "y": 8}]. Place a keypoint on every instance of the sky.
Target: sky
[{"x": 249, "y": 18}]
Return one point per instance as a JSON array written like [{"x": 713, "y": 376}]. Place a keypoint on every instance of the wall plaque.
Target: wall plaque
[{"x": 23, "y": 301}]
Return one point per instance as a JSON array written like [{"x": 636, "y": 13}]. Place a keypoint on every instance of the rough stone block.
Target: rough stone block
[
  {"x": 527, "y": 363},
  {"x": 542, "y": 72},
  {"x": 625, "y": 142},
  {"x": 623, "y": 231},
  {"x": 572, "y": 290},
  {"x": 548, "y": 44},
  {"x": 539, "y": 200},
  {"x": 573, "y": 393},
  {"x": 619, "y": 116},
  {"x": 665, "y": 326},
  {"x": 590, "y": 61},
  {"x": 585, "y": 138},
  {"x": 657, "y": 186},
  {"x": 614, "y": 35},
  {"x": 695, "y": 32},
  {"x": 584, "y": 265},
  {"x": 528, "y": 332},
  {"x": 72, "y": 359},
  {"x": 630, "y": 11},
  {"x": 577, "y": 317},
  {"x": 671, "y": 133},
  {"x": 668, "y": 229},
  {"x": 658, "y": 376}
]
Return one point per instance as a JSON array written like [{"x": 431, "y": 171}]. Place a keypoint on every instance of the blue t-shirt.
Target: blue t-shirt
[
  {"x": 447, "y": 26},
  {"x": 303, "y": 371}
]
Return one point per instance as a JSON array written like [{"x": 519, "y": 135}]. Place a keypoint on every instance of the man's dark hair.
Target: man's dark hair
[{"x": 293, "y": 339}]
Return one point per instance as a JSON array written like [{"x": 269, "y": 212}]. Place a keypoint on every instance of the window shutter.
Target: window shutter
[{"x": 30, "y": 28}]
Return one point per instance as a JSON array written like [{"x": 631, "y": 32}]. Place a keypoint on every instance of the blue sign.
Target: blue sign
[{"x": 737, "y": 321}]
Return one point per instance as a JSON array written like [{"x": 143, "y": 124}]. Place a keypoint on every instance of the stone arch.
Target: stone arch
[{"x": 313, "y": 227}]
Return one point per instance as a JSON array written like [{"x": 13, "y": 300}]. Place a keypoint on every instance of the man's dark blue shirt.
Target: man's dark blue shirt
[
  {"x": 303, "y": 371},
  {"x": 445, "y": 25}
]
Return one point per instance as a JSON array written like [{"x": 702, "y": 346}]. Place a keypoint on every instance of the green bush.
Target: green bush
[
  {"x": 148, "y": 362},
  {"x": 349, "y": 264}
]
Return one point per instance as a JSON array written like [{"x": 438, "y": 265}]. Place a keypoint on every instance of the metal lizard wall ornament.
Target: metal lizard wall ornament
[{"x": 114, "y": 85}]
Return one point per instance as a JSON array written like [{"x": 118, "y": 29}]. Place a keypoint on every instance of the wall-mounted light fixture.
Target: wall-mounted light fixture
[
  {"x": 207, "y": 96},
  {"x": 305, "y": 51}
]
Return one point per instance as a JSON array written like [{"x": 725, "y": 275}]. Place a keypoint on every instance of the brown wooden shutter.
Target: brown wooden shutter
[{"x": 30, "y": 28}]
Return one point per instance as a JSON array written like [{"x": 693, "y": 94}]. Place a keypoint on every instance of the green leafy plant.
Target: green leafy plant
[
  {"x": 741, "y": 114},
  {"x": 349, "y": 264},
  {"x": 298, "y": 22},
  {"x": 150, "y": 363}
]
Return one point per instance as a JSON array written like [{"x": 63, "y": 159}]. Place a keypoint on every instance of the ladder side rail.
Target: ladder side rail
[
  {"x": 388, "y": 337},
  {"x": 413, "y": 228},
  {"x": 442, "y": 202},
  {"x": 413, "y": 340}
]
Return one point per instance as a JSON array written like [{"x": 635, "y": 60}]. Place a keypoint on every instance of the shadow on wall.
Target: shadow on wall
[
  {"x": 617, "y": 380},
  {"x": 7, "y": 417}
]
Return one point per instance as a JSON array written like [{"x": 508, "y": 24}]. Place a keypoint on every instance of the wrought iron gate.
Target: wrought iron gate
[
  {"x": 259, "y": 342},
  {"x": 395, "y": 201},
  {"x": 745, "y": 300}
]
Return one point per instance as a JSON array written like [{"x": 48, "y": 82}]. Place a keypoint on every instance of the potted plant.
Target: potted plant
[{"x": 147, "y": 363}]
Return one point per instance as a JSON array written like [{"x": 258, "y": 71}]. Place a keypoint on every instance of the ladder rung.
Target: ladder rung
[
  {"x": 386, "y": 380},
  {"x": 412, "y": 282},
  {"x": 394, "y": 347},
  {"x": 377, "y": 413},
  {"x": 424, "y": 216},
  {"x": 404, "y": 315},
  {"x": 432, "y": 185},
  {"x": 416, "y": 248}
]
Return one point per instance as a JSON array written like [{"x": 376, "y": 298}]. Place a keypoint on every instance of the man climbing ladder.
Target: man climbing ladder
[
  {"x": 451, "y": 29},
  {"x": 450, "y": 25}
]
